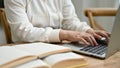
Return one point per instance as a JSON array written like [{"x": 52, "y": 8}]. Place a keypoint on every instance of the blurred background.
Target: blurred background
[{"x": 80, "y": 6}]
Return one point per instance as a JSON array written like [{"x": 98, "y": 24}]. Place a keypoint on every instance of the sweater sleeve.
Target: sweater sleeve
[
  {"x": 21, "y": 28},
  {"x": 71, "y": 21}
]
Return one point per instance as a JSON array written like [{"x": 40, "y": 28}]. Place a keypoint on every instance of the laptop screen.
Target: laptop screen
[{"x": 114, "y": 44}]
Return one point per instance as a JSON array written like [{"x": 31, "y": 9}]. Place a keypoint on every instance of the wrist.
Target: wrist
[{"x": 63, "y": 35}]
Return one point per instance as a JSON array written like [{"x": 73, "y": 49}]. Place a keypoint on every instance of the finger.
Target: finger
[
  {"x": 89, "y": 40},
  {"x": 104, "y": 34},
  {"x": 97, "y": 36},
  {"x": 94, "y": 41},
  {"x": 81, "y": 40},
  {"x": 84, "y": 41}
]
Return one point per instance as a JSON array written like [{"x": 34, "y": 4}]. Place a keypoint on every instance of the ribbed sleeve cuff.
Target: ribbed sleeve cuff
[
  {"x": 54, "y": 36},
  {"x": 85, "y": 27}
]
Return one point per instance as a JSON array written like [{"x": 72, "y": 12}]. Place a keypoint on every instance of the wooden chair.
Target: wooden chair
[
  {"x": 5, "y": 25},
  {"x": 91, "y": 12}
]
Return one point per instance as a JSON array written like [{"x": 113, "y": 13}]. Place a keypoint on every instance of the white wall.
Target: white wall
[{"x": 106, "y": 22}]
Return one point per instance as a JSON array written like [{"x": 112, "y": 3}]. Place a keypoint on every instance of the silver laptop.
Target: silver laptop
[{"x": 103, "y": 50}]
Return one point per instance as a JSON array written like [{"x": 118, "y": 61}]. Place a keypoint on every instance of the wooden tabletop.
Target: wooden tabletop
[{"x": 111, "y": 62}]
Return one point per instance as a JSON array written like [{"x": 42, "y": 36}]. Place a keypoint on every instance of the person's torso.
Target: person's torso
[{"x": 45, "y": 13}]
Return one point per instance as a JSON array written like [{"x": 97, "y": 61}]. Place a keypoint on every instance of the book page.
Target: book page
[
  {"x": 8, "y": 55},
  {"x": 42, "y": 49},
  {"x": 38, "y": 63},
  {"x": 65, "y": 60}
]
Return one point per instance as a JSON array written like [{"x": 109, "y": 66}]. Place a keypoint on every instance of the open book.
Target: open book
[{"x": 40, "y": 55}]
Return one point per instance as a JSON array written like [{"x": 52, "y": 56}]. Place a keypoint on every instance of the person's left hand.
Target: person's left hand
[{"x": 98, "y": 34}]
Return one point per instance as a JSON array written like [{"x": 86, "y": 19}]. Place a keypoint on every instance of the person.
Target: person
[{"x": 48, "y": 21}]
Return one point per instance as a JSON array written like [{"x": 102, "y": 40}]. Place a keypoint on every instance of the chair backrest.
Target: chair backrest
[
  {"x": 91, "y": 12},
  {"x": 5, "y": 25}
]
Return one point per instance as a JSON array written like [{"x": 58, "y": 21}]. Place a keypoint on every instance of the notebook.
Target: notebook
[{"x": 103, "y": 50}]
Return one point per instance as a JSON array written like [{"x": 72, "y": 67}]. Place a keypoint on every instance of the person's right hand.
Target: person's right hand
[
  {"x": 75, "y": 36},
  {"x": 99, "y": 34}
]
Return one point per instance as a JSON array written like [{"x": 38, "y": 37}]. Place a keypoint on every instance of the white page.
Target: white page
[
  {"x": 8, "y": 54},
  {"x": 53, "y": 59},
  {"x": 34, "y": 64},
  {"x": 42, "y": 49}
]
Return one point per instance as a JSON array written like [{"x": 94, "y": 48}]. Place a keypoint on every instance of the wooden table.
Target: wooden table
[{"x": 111, "y": 62}]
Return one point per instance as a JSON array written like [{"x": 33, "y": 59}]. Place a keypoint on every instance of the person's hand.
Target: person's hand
[
  {"x": 75, "y": 36},
  {"x": 98, "y": 34}
]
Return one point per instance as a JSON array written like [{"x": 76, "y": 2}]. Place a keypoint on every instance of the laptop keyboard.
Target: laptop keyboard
[
  {"x": 96, "y": 51},
  {"x": 100, "y": 49}
]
